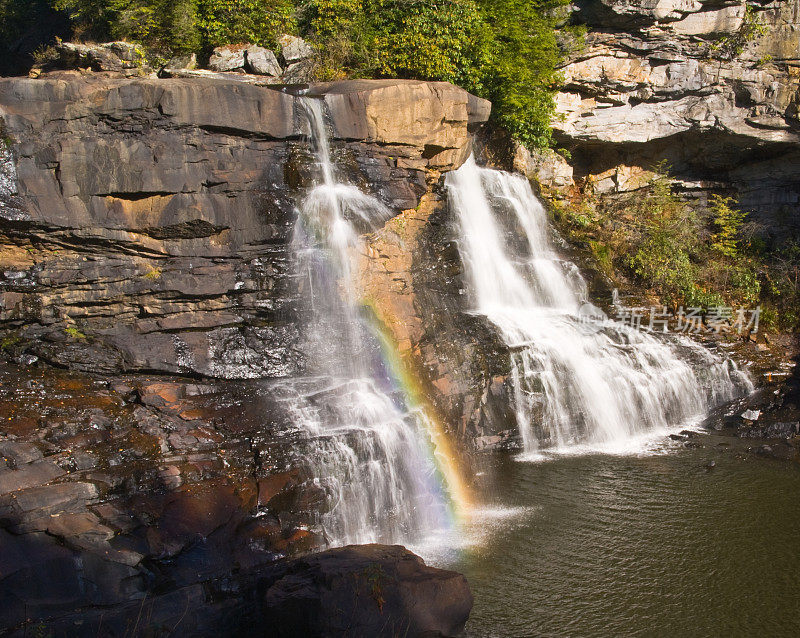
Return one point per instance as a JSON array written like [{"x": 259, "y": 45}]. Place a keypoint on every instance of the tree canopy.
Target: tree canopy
[{"x": 505, "y": 50}]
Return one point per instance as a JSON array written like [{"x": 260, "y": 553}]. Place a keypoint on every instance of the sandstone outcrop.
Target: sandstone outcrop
[
  {"x": 712, "y": 87},
  {"x": 147, "y": 221}
]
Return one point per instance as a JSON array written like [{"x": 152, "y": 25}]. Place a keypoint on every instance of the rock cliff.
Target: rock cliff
[
  {"x": 145, "y": 233},
  {"x": 710, "y": 86},
  {"x": 146, "y": 222}
]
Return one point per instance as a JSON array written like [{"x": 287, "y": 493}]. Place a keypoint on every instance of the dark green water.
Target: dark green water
[{"x": 640, "y": 546}]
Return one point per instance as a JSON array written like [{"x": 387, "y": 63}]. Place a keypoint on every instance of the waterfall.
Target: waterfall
[
  {"x": 575, "y": 381},
  {"x": 366, "y": 448}
]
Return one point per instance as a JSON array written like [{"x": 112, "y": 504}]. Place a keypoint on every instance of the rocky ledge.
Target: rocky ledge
[
  {"x": 149, "y": 312},
  {"x": 710, "y": 86},
  {"x": 176, "y": 502}
]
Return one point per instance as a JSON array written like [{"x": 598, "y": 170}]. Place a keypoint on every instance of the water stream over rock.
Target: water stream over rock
[
  {"x": 367, "y": 448},
  {"x": 576, "y": 381}
]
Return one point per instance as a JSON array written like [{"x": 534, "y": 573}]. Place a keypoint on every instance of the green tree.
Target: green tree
[
  {"x": 164, "y": 26},
  {"x": 238, "y": 21},
  {"x": 728, "y": 223},
  {"x": 521, "y": 75},
  {"x": 439, "y": 40}
]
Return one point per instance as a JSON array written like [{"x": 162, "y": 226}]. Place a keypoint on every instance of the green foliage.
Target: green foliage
[
  {"x": 728, "y": 222},
  {"x": 74, "y": 333},
  {"x": 521, "y": 75},
  {"x": 26, "y": 25},
  {"x": 503, "y": 50},
  {"x": 440, "y": 40},
  {"x": 177, "y": 26},
  {"x": 344, "y": 35},
  {"x": 18, "y": 15},
  {"x": 781, "y": 290},
  {"x": 681, "y": 255},
  {"x": 164, "y": 26},
  {"x": 242, "y": 21}
]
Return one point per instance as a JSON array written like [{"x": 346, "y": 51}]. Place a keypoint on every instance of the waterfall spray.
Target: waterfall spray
[{"x": 369, "y": 447}]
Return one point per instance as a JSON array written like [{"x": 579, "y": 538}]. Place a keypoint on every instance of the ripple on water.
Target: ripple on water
[{"x": 637, "y": 545}]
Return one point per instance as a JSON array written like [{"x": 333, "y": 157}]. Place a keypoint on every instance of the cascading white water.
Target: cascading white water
[
  {"x": 574, "y": 381},
  {"x": 367, "y": 450}
]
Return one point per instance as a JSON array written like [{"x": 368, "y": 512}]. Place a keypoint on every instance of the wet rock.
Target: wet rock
[
  {"x": 751, "y": 415},
  {"x": 19, "y": 452},
  {"x": 55, "y": 499},
  {"x": 367, "y": 590},
  {"x": 773, "y": 430},
  {"x": 28, "y": 475},
  {"x": 413, "y": 273},
  {"x": 781, "y": 450}
]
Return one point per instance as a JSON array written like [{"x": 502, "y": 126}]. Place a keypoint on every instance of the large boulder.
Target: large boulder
[
  {"x": 294, "y": 49},
  {"x": 227, "y": 58},
  {"x": 262, "y": 61},
  {"x": 367, "y": 590}
]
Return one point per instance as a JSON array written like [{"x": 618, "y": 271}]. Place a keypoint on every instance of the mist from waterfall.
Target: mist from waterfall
[
  {"x": 367, "y": 451},
  {"x": 575, "y": 381}
]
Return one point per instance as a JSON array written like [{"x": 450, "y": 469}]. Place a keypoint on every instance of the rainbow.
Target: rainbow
[{"x": 408, "y": 383}]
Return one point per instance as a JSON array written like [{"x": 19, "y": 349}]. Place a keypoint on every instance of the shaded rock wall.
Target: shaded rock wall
[{"x": 666, "y": 80}]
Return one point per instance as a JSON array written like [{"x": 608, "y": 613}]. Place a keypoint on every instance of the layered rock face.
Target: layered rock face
[
  {"x": 412, "y": 275},
  {"x": 712, "y": 87},
  {"x": 147, "y": 221},
  {"x": 146, "y": 247}
]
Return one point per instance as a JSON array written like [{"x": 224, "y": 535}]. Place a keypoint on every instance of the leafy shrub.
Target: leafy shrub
[
  {"x": 344, "y": 36},
  {"x": 683, "y": 256},
  {"x": 238, "y": 21},
  {"x": 439, "y": 40}
]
